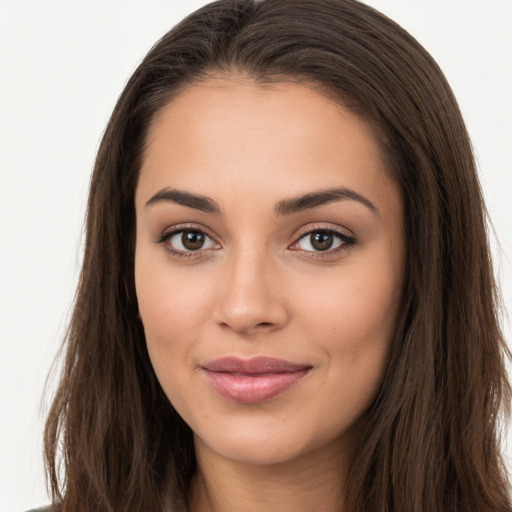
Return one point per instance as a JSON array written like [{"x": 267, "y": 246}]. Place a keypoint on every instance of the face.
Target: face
[{"x": 269, "y": 267}]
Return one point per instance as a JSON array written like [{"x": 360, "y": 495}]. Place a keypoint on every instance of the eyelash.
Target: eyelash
[
  {"x": 346, "y": 240},
  {"x": 167, "y": 235}
]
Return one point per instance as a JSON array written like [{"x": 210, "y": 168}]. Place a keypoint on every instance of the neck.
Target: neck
[{"x": 312, "y": 482}]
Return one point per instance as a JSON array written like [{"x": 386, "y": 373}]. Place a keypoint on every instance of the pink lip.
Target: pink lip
[{"x": 253, "y": 380}]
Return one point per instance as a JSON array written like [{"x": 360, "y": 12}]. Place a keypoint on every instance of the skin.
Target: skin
[{"x": 257, "y": 288}]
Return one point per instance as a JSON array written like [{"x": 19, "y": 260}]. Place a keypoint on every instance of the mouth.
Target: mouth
[{"x": 253, "y": 380}]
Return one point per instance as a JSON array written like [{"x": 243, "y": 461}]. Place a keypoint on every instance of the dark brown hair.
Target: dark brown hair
[{"x": 429, "y": 442}]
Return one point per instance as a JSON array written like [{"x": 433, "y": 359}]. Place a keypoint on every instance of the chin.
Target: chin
[
  {"x": 250, "y": 450},
  {"x": 261, "y": 445}
]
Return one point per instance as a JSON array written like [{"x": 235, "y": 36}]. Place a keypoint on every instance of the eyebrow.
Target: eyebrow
[
  {"x": 202, "y": 203},
  {"x": 320, "y": 198},
  {"x": 285, "y": 207}
]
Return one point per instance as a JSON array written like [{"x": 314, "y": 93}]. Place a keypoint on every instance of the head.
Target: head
[{"x": 438, "y": 390}]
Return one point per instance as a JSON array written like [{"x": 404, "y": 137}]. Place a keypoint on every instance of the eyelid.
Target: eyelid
[
  {"x": 171, "y": 231},
  {"x": 312, "y": 228},
  {"x": 176, "y": 228},
  {"x": 345, "y": 235},
  {"x": 309, "y": 228}
]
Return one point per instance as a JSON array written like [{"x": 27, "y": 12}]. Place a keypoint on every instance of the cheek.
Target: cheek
[
  {"x": 354, "y": 325},
  {"x": 171, "y": 307},
  {"x": 360, "y": 306},
  {"x": 354, "y": 321}
]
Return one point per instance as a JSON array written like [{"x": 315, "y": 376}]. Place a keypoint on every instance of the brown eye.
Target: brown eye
[
  {"x": 189, "y": 240},
  {"x": 192, "y": 240},
  {"x": 323, "y": 241}
]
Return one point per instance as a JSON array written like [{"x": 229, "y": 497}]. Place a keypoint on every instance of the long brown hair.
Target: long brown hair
[{"x": 429, "y": 442}]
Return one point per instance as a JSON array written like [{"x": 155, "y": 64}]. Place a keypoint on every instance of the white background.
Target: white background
[{"x": 62, "y": 66}]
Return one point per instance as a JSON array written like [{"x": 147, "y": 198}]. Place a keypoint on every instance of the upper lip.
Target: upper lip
[{"x": 255, "y": 365}]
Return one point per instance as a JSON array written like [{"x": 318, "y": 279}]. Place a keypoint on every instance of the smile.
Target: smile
[{"x": 254, "y": 380}]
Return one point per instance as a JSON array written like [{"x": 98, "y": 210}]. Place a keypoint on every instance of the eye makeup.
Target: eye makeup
[
  {"x": 328, "y": 240},
  {"x": 192, "y": 240},
  {"x": 318, "y": 241}
]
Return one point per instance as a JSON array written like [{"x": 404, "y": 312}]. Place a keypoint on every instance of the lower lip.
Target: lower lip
[{"x": 253, "y": 388}]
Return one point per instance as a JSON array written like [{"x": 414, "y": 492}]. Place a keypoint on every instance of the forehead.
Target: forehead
[
  {"x": 248, "y": 106},
  {"x": 244, "y": 135}
]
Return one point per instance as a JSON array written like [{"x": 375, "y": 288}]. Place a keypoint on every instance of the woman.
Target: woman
[{"x": 286, "y": 300}]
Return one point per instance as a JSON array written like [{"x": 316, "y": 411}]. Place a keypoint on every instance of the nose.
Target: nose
[{"x": 251, "y": 297}]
